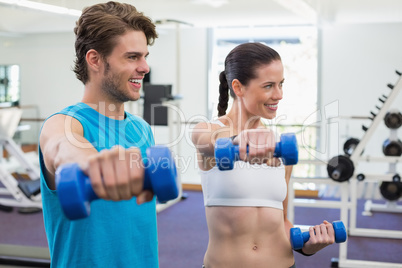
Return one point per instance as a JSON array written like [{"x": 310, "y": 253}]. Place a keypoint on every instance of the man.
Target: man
[{"x": 108, "y": 143}]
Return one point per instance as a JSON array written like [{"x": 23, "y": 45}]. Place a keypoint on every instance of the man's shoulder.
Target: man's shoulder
[{"x": 136, "y": 119}]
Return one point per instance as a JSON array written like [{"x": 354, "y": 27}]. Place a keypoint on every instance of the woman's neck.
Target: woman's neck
[{"x": 239, "y": 119}]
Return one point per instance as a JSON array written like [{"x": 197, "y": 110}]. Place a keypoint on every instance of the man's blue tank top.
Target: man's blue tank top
[{"x": 116, "y": 234}]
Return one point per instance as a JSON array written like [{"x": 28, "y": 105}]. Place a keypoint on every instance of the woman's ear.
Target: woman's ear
[
  {"x": 94, "y": 60},
  {"x": 237, "y": 87}
]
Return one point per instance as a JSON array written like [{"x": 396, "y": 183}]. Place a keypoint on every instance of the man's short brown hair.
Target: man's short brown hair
[{"x": 98, "y": 29}]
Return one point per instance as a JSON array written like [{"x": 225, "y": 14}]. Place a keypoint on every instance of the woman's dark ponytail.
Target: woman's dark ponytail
[{"x": 223, "y": 94}]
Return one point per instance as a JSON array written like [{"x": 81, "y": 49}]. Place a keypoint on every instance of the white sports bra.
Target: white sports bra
[{"x": 249, "y": 185}]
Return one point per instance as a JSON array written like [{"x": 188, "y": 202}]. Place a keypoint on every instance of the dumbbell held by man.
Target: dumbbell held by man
[
  {"x": 298, "y": 239},
  {"x": 75, "y": 192},
  {"x": 226, "y": 153}
]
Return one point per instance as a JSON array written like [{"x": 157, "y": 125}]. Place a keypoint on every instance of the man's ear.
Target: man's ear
[
  {"x": 237, "y": 87},
  {"x": 94, "y": 60}
]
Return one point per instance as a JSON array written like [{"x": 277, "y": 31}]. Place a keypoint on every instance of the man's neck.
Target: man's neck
[{"x": 102, "y": 104}]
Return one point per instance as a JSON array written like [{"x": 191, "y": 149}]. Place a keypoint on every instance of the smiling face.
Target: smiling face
[
  {"x": 262, "y": 94},
  {"x": 125, "y": 67}
]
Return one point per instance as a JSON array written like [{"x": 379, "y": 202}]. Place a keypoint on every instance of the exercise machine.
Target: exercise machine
[
  {"x": 18, "y": 192},
  {"x": 21, "y": 193},
  {"x": 14, "y": 256}
]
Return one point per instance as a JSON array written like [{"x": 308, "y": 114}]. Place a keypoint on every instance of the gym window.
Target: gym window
[{"x": 297, "y": 46}]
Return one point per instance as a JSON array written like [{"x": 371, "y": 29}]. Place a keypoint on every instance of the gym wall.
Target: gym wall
[{"x": 357, "y": 61}]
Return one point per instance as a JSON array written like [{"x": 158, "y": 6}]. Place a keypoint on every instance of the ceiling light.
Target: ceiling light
[
  {"x": 42, "y": 7},
  {"x": 300, "y": 7},
  {"x": 213, "y": 3}
]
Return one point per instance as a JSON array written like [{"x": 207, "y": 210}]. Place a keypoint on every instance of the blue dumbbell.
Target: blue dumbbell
[
  {"x": 297, "y": 238},
  {"x": 75, "y": 192},
  {"x": 226, "y": 153}
]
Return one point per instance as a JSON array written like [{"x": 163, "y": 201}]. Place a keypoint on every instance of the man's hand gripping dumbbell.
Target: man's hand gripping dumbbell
[{"x": 75, "y": 191}]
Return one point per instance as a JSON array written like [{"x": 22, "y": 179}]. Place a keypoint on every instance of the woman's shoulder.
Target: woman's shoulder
[{"x": 210, "y": 124}]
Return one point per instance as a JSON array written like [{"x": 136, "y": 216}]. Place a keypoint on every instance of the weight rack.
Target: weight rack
[
  {"x": 357, "y": 157},
  {"x": 348, "y": 190}
]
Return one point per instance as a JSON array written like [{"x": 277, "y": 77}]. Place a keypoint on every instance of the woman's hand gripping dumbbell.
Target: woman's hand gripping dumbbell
[
  {"x": 226, "y": 153},
  {"x": 75, "y": 191},
  {"x": 298, "y": 239}
]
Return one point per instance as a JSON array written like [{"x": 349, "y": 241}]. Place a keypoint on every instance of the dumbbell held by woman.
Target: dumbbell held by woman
[
  {"x": 226, "y": 153},
  {"x": 75, "y": 192},
  {"x": 298, "y": 239}
]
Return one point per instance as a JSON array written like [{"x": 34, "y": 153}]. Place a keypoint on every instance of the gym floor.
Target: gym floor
[{"x": 183, "y": 234}]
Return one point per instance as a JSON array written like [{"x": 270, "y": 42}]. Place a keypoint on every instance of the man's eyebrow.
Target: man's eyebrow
[{"x": 134, "y": 53}]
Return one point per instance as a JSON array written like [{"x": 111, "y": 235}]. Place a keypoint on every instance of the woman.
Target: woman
[{"x": 246, "y": 207}]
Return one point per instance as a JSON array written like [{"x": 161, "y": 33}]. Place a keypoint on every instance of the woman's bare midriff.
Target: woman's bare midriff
[{"x": 247, "y": 237}]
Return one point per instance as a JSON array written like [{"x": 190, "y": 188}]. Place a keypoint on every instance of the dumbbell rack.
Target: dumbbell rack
[
  {"x": 357, "y": 157},
  {"x": 348, "y": 193},
  {"x": 389, "y": 206}
]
